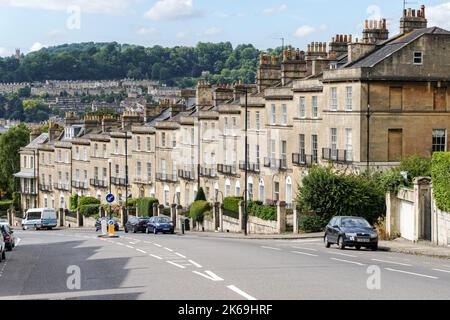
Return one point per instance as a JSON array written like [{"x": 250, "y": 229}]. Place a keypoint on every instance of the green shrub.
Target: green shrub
[
  {"x": 312, "y": 223},
  {"x": 416, "y": 167},
  {"x": 5, "y": 205},
  {"x": 232, "y": 204},
  {"x": 132, "y": 203},
  {"x": 263, "y": 212},
  {"x": 200, "y": 195},
  {"x": 145, "y": 206},
  {"x": 73, "y": 202},
  {"x": 89, "y": 210},
  {"x": 329, "y": 194},
  {"x": 392, "y": 181},
  {"x": 85, "y": 201},
  {"x": 16, "y": 199},
  {"x": 441, "y": 180},
  {"x": 198, "y": 210}
]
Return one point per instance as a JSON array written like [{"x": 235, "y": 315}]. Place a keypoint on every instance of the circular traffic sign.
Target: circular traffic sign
[
  {"x": 110, "y": 222},
  {"x": 110, "y": 198}
]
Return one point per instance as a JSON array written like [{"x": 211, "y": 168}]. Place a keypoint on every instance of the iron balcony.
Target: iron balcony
[
  {"x": 45, "y": 188},
  {"x": 188, "y": 175},
  {"x": 143, "y": 181},
  {"x": 164, "y": 177},
  {"x": 303, "y": 160},
  {"x": 80, "y": 185},
  {"x": 208, "y": 172},
  {"x": 277, "y": 164},
  {"x": 338, "y": 156},
  {"x": 121, "y": 182},
  {"x": 252, "y": 167},
  {"x": 226, "y": 169},
  {"x": 98, "y": 183},
  {"x": 61, "y": 186}
]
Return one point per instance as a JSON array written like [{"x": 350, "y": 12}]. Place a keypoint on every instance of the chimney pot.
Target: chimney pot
[
  {"x": 366, "y": 24},
  {"x": 409, "y": 12},
  {"x": 413, "y": 11},
  {"x": 422, "y": 7},
  {"x": 345, "y": 39},
  {"x": 350, "y": 38}
]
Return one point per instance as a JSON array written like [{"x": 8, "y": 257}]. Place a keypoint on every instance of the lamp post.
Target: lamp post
[
  {"x": 110, "y": 187},
  {"x": 368, "y": 116},
  {"x": 126, "y": 177}
]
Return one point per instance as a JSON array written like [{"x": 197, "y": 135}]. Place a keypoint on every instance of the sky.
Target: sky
[{"x": 33, "y": 24}]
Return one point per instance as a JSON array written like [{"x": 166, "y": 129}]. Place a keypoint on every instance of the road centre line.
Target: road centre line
[
  {"x": 342, "y": 254},
  {"x": 156, "y": 257},
  {"x": 195, "y": 263},
  {"x": 305, "y": 254},
  {"x": 271, "y": 248},
  {"x": 347, "y": 261},
  {"x": 440, "y": 270},
  {"x": 412, "y": 273},
  {"x": 176, "y": 265},
  {"x": 141, "y": 251},
  {"x": 170, "y": 250},
  {"x": 241, "y": 293},
  {"x": 393, "y": 262},
  {"x": 303, "y": 248},
  {"x": 180, "y": 255},
  {"x": 131, "y": 247}
]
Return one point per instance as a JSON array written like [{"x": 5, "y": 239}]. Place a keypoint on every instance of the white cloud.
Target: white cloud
[
  {"x": 144, "y": 31},
  {"x": 231, "y": 15},
  {"x": 439, "y": 15},
  {"x": 4, "y": 52},
  {"x": 88, "y": 6},
  {"x": 172, "y": 10},
  {"x": 275, "y": 10},
  {"x": 36, "y": 47},
  {"x": 306, "y": 30},
  {"x": 181, "y": 35},
  {"x": 211, "y": 32}
]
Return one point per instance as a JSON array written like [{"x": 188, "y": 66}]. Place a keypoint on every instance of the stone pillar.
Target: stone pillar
[
  {"x": 155, "y": 209},
  {"x": 160, "y": 210},
  {"x": 61, "y": 217},
  {"x": 178, "y": 214},
  {"x": 422, "y": 208},
  {"x": 281, "y": 217},
  {"x": 392, "y": 214},
  {"x": 221, "y": 217},
  {"x": 10, "y": 217},
  {"x": 241, "y": 215},
  {"x": 295, "y": 220},
  {"x": 216, "y": 216},
  {"x": 173, "y": 214},
  {"x": 79, "y": 219}
]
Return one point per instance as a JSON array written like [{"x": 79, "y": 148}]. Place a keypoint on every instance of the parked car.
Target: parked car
[
  {"x": 2, "y": 249},
  {"x": 98, "y": 224},
  {"x": 8, "y": 237},
  {"x": 136, "y": 225},
  {"x": 4, "y": 222},
  {"x": 353, "y": 232},
  {"x": 160, "y": 224},
  {"x": 40, "y": 219}
]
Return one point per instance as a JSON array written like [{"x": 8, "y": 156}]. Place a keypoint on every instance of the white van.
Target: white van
[{"x": 40, "y": 219}]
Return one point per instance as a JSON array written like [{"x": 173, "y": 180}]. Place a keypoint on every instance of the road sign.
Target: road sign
[
  {"x": 110, "y": 198},
  {"x": 110, "y": 222},
  {"x": 104, "y": 227}
]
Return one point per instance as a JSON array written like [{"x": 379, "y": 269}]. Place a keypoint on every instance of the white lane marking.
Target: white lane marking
[
  {"x": 170, "y": 250},
  {"x": 158, "y": 245},
  {"x": 241, "y": 293},
  {"x": 271, "y": 248},
  {"x": 18, "y": 241},
  {"x": 440, "y": 270},
  {"x": 180, "y": 255},
  {"x": 195, "y": 263},
  {"x": 141, "y": 251},
  {"x": 148, "y": 242},
  {"x": 343, "y": 254},
  {"x": 131, "y": 247},
  {"x": 347, "y": 261},
  {"x": 305, "y": 254},
  {"x": 209, "y": 275},
  {"x": 412, "y": 273},
  {"x": 393, "y": 262},
  {"x": 120, "y": 244},
  {"x": 303, "y": 248},
  {"x": 156, "y": 257},
  {"x": 132, "y": 242},
  {"x": 176, "y": 265}
]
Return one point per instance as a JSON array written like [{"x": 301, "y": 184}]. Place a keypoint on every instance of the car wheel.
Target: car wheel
[
  {"x": 126, "y": 230},
  {"x": 358, "y": 247},
  {"x": 155, "y": 231},
  {"x": 134, "y": 230},
  {"x": 375, "y": 248},
  {"x": 9, "y": 247},
  {"x": 341, "y": 243},
  {"x": 147, "y": 231},
  {"x": 4, "y": 255},
  {"x": 327, "y": 243}
]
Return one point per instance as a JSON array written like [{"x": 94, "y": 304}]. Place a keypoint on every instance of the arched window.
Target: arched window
[
  {"x": 250, "y": 188},
  {"x": 289, "y": 191},
  {"x": 262, "y": 191},
  {"x": 238, "y": 189},
  {"x": 166, "y": 195},
  {"x": 227, "y": 188}
]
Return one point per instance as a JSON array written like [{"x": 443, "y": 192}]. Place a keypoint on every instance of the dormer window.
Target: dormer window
[{"x": 418, "y": 58}]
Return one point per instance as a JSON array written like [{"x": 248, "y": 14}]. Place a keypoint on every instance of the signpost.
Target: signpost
[
  {"x": 108, "y": 226},
  {"x": 110, "y": 198}
]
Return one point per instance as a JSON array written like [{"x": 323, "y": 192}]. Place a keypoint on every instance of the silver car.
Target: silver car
[{"x": 2, "y": 247}]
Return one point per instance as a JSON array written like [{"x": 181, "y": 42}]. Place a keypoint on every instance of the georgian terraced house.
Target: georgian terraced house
[{"x": 350, "y": 102}]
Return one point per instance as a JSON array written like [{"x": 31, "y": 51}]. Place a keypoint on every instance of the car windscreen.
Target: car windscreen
[
  {"x": 162, "y": 220},
  {"x": 354, "y": 222},
  {"x": 34, "y": 215}
]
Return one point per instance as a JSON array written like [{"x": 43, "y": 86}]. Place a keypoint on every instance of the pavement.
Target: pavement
[{"x": 78, "y": 265}]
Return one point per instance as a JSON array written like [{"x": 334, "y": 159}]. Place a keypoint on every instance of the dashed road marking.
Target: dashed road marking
[
  {"x": 393, "y": 262},
  {"x": 303, "y": 248},
  {"x": 342, "y": 254},
  {"x": 141, "y": 251},
  {"x": 241, "y": 293},
  {"x": 305, "y": 254},
  {"x": 131, "y": 247},
  {"x": 168, "y": 249},
  {"x": 441, "y": 270},
  {"x": 158, "y": 245},
  {"x": 180, "y": 255},
  {"x": 271, "y": 248},
  {"x": 209, "y": 275},
  {"x": 412, "y": 273},
  {"x": 347, "y": 261},
  {"x": 176, "y": 265},
  {"x": 156, "y": 257},
  {"x": 195, "y": 264}
]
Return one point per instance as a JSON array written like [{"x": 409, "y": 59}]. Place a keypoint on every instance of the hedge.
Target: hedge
[
  {"x": 85, "y": 201},
  {"x": 198, "y": 210},
  {"x": 263, "y": 212},
  {"x": 16, "y": 199},
  {"x": 441, "y": 180},
  {"x": 232, "y": 204},
  {"x": 73, "y": 202},
  {"x": 89, "y": 210},
  {"x": 312, "y": 223},
  {"x": 200, "y": 195},
  {"x": 145, "y": 206}
]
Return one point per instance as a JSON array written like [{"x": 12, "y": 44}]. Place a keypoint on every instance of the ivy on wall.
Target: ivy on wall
[{"x": 441, "y": 179}]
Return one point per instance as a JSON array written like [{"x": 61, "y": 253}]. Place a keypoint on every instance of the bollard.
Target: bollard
[{"x": 182, "y": 222}]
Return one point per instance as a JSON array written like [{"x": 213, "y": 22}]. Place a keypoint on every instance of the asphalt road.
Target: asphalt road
[{"x": 173, "y": 267}]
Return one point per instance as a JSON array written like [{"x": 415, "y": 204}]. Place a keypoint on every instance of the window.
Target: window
[
  {"x": 273, "y": 148},
  {"x": 59, "y": 176},
  {"x": 77, "y": 175},
  {"x": 315, "y": 107},
  {"x": 31, "y": 162},
  {"x": 213, "y": 131},
  {"x": 302, "y": 108},
  {"x": 234, "y": 125},
  {"x": 105, "y": 153},
  {"x": 283, "y": 114},
  {"x": 257, "y": 120},
  {"x": 163, "y": 139},
  {"x": 96, "y": 173},
  {"x": 276, "y": 188},
  {"x": 248, "y": 120},
  {"x": 138, "y": 169},
  {"x": 348, "y": 98},
  {"x": 85, "y": 154},
  {"x": 85, "y": 176},
  {"x": 283, "y": 153},
  {"x": 174, "y": 141},
  {"x": 149, "y": 144},
  {"x": 116, "y": 146},
  {"x": 174, "y": 168},
  {"x": 418, "y": 58},
  {"x": 138, "y": 143},
  {"x": 96, "y": 150},
  {"x": 192, "y": 135},
  {"x": 163, "y": 167},
  {"x": 49, "y": 159},
  {"x": 105, "y": 174},
  {"x": 439, "y": 140},
  {"x": 274, "y": 115},
  {"x": 77, "y": 153},
  {"x": 301, "y": 145},
  {"x": 117, "y": 171},
  {"x": 314, "y": 147},
  {"x": 225, "y": 126},
  {"x": 333, "y": 99},
  {"x": 348, "y": 144},
  {"x": 59, "y": 156},
  {"x": 333, "y": 140},
  {"x": 258, "y": 154}
]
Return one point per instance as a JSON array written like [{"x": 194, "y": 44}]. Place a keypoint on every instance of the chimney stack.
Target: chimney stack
[{"x": 413, "y": 20}]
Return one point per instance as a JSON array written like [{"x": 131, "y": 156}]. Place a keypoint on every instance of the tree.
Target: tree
[
  {"x": 10, "y": 144},
  {"x": 200, "y": 195}
]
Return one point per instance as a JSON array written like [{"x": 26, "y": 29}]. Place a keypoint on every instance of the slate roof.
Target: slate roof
[
  {"x": 36, "y": 142},
  {"x": 393, "y": 45}
]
